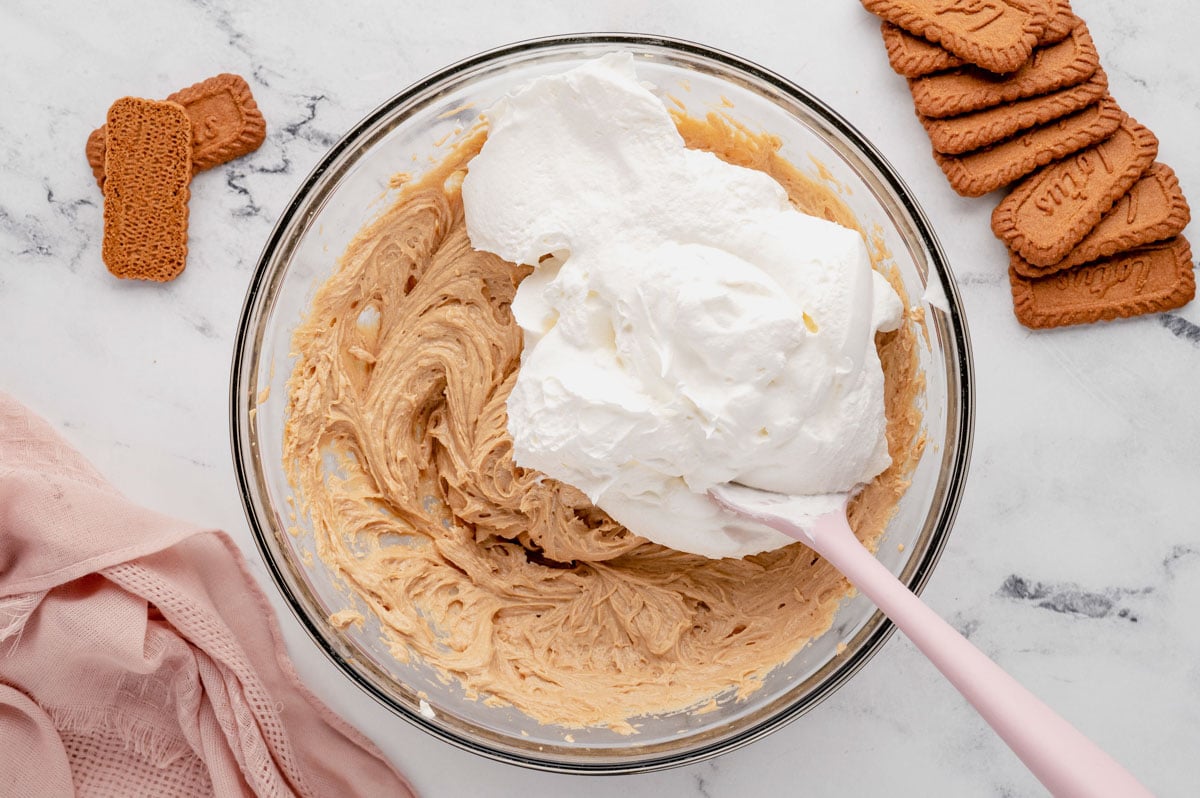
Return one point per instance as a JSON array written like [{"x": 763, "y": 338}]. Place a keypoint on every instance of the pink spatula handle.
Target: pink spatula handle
[{"x": 1064, "y": 760}]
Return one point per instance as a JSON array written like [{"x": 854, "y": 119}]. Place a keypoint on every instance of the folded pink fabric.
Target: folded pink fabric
[{"x": 137, "y": 655}]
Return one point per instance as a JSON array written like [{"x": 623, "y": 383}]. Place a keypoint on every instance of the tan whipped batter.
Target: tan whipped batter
[{"x": 510, "y": 583}]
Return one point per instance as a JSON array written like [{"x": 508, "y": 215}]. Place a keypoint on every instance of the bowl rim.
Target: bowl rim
[{"x": 881, "y": 627}]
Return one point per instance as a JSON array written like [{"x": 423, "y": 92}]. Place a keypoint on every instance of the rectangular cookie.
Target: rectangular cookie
[
  {"x": 1058, "y": 18},
  {"x": 967, "y": 89},
  {"x": 976, "y": 173},
  {"x": 959, "y": 134},
  {"x": 226, "y": 124},
  {"x": 995, "y": 35},
  {"x": 1153, "y": 210},
  {"x": 1051, "y": 211},
  {"x": 1150, "y": 279},
  {"x": 148, "y": 157},
  {"x": 914, "y": 57}
]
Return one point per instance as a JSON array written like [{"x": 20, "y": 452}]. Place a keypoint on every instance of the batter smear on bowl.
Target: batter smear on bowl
[{"x": 512, "y": 583}]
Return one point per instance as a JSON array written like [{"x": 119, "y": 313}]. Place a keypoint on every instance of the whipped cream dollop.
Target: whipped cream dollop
[{"x": 684, "y": 325}]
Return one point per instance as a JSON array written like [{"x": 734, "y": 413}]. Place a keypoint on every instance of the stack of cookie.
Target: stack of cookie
[
  {"x": 1012, "y": 90},
  {"x": 144, "y": 157}
]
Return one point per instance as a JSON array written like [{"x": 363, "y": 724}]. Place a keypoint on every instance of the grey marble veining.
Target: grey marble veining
[{"x": 1075, "y": 561}]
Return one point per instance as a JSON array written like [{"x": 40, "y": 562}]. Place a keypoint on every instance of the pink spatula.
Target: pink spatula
[{"x": 1065, "y": 761}]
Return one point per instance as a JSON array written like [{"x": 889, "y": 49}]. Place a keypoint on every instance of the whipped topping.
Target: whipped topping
[{"x": 684, "y": 325}]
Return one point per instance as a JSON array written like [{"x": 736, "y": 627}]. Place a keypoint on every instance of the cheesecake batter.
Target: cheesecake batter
[{"x": 505, "y": 580}]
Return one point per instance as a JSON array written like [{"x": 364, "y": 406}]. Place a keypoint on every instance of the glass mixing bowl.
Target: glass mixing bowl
[{"x": 351, "y": 184}]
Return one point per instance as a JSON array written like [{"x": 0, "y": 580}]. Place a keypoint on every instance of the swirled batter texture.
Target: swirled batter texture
[{"x": 507, "y": 581}]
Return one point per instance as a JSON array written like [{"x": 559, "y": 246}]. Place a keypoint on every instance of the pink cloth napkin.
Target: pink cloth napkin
[{"x": 137, "y": 655}]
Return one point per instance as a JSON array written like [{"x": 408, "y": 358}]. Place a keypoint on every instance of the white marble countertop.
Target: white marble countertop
[{"x": 1075, "y": 561}]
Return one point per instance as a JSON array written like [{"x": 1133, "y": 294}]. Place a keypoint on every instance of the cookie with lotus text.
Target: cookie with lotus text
[
  {"x": 976, "y": 173},
  {"x": 1155, "y": 209},
  {"x": 1051, "y": 211},
  {"x": 967, "y": 89},
  {"x": 956, "y": 135},
  {"x": 996, "y": 35},
  {"x": 148, "y": 167},
  {"x": 1149, "y": 279},
  {"x": 913, "y": 56},
  {"x": 225, "y": 119}
]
